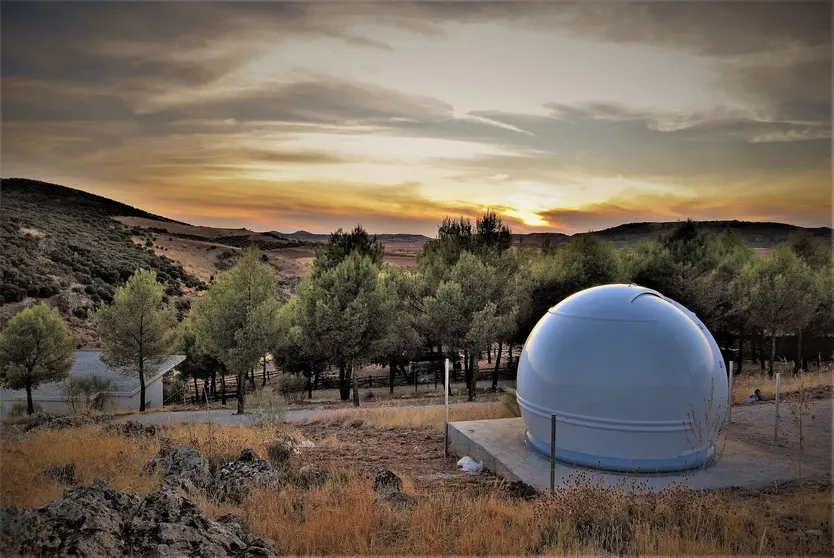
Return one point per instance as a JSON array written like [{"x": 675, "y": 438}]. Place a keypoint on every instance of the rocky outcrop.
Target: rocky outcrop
[
  {"x": 132, "y": 428},
  {"x": 64, "y": 474},
  {"x": 387, "y": 481},
  {"x": 45, "y": 421},
  {"x": 181, "y": 468},
  {"x": 168, "y": 524},
  {"x": 99, "y": 521},
  {"x": 236, "y": 479},
  {"x": 87, "y": 521}
]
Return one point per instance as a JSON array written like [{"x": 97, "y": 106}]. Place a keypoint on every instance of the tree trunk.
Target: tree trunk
[
  {"x": 196, "y": 392},
  {"x": 772, "y": 351},
  {"x": 252, "y": 377},
  {"x": 316, "y": 381},
  {"x": 310, "y": 385},
  {"x": 141, "y": 385},
  {"x": 466, "y": 367},
  {"x": 30, "y": 405},
  {"x": 473, "y": 373},
  {"x": 213, "y": 388},
  {"x": 354, "y": 374},
  {"x": 264, "y": 382},
  {"x": 762, "y": 358},
  {"x": 798, "y": 362},
  {"x": 344, "y": 389},
  {"x": 489, "y": 354},
  {"x": 753, "y": 344},
  {"x": 222, "y": 387},
  {"x": 510, "y": 355},
  {"x": 391, "y": 377},
  {"x": 241, "y": 393},
  {"x": 740, "y": 350}
]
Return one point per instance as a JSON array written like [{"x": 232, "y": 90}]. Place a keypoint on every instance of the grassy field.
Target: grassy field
[{"x": 475, "y": 518}]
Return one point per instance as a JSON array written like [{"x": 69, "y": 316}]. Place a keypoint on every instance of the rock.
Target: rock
[
  {"x": 131, "y": 428},
  {"x": 64, "y": 474},
  {"x": 86, "y": 521},
  {"x": 386, "y": 481},
  {"x": 814, "y": 532},
  {"x": 44, "y": 421},
  {"x": 181, "y": 467},
  {"x": 521, "y": 490},
  {"x": 281, "y": 450},
  {"x": 310, "y": 476},
  {"x": 168, "y": 524},
  {"x": 234, "y": 480},
  {"x": 396, "y": 499},
  {"x": 99, "y": 521}
]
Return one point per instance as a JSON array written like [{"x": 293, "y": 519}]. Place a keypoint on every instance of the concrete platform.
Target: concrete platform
[{"x": 500, "y": 445}]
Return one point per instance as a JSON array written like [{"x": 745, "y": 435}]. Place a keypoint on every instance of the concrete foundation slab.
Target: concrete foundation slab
[{"x": 500, "y": 445}]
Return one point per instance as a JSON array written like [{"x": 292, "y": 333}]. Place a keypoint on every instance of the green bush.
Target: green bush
[{"x": 267, "y": 407}]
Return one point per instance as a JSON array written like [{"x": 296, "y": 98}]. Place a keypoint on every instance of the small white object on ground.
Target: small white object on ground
[
  {"x": 469, "y": 465},
  {"x": 307, "y": 444}
]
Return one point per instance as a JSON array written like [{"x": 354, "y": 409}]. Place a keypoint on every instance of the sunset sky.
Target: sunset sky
[{"x": 313, "y": 115}]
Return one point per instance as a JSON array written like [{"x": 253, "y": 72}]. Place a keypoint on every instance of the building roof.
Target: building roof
[{"x": 88, "y": 362}]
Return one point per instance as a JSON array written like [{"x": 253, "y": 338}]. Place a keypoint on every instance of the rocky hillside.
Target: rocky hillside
[{"x": 62, "y": 245}]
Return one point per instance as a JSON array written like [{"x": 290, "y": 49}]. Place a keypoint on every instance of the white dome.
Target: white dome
[{"x": 636, "y": 381}]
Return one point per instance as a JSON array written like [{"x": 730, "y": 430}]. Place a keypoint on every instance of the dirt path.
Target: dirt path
[{"x": 754, "y": 425}]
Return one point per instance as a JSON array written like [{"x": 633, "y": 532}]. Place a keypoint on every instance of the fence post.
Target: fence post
[
  {"x": 446, "y": 413},
  {"x": 552, "y": 453},
  {"x": 776, "y": 420},
  {"x": 730, "y": 402}
]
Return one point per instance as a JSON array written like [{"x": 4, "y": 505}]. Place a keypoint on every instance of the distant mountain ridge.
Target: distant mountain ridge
[
  {"x": 757, "y": 234},
  {"x": 320, "y": 237}
]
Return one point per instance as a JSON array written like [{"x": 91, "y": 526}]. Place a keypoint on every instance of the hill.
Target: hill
[
  {"x": 61, "y": 244},
  {"x": 73, "y": 248},
  {"x": 763, "y": 236}
]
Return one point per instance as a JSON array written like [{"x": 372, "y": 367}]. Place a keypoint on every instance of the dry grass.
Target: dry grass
[
  {"x": 342, "y": 518},
  {"x": 95, "y": 453},
  {"x": 427, "y": 416},
  {"x": 588, "y": 519},
  {"x": 745, "y": 384}
]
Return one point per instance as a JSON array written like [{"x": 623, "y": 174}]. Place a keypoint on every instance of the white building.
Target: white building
[
  {"x": 635, "y": 380},
  {"x": 123, "y": 394}
]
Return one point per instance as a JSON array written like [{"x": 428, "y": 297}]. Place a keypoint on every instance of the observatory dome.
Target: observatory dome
[{"x": 636, "y": 381}]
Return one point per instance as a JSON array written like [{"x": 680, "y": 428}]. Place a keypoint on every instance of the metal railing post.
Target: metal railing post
[
  {"x": 776, "y": 420},
  {"x": 730, "y": 402},
  {"x": 552, "y": 454},
  {"x": 446, "y": 413}
]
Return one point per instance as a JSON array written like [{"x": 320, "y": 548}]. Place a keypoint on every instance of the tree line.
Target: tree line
[{"x": 470, "y": 291}]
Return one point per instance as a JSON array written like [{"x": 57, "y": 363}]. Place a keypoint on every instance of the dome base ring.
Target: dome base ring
[{"x": 701, "y": 458}]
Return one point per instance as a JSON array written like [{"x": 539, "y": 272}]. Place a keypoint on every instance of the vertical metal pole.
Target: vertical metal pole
[
  {"x": 446, "y": 412},
  {"x": 730, "y": 402},
  {"x": 776, "y": 421},
  {"x": 552, "y": 453}
]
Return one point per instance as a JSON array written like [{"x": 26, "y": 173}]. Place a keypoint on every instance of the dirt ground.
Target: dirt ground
[{"x": 417, "y": 453}]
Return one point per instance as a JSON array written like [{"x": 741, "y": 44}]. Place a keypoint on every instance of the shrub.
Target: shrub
[
  {"x": 292, "y": 386},
  {"x": 268, "y": 408},
  {"x": 18, "y": 408},
  {"x": 78, "y": 392}
]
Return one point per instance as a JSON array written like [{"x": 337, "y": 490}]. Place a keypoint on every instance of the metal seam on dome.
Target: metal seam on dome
[
  {"x": 607, "y": 424},
  {"x": 642, "y": 320}
]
